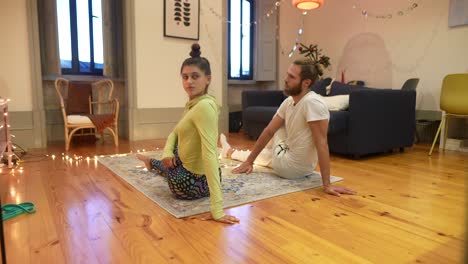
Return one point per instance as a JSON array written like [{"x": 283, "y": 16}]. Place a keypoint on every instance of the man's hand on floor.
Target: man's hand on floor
[
  {"x": 245, "y": 166},
  {"x": 338, "y": 190}
]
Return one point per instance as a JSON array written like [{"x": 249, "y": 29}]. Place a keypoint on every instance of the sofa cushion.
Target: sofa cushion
[
  {"x": 337, "y": 102},
  {"x": 338, "y": 121},
  {"x": 320, "y": 86},
  {"x": 338, "y": 88},
  {"x": 260, "y": 114},
  {"x": 328, "y": 88}
]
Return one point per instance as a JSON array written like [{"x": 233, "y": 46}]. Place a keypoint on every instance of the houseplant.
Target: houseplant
[{"x": 313, "y": 53}]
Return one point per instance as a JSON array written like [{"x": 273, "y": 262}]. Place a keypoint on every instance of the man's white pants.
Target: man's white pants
[{"x": 276, "y": 156}]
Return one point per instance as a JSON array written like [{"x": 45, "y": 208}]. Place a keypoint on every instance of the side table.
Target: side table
[{"x": 235, "y": 118}]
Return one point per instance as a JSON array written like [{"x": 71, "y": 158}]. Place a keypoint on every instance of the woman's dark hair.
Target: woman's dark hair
[
  {"x": 202, "y": 63},
  {"x": 308, "y": 70}
]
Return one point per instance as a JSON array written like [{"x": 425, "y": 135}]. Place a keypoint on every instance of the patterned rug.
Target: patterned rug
[{"x": 237, "y": 188}]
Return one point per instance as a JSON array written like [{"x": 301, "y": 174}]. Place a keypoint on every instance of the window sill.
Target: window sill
[
  {"x": 241, "y": 82},
  {"x": 78, "y": 78}
]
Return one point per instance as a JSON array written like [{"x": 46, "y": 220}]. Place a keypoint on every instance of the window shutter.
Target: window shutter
[{"x": 265, "y": 44}]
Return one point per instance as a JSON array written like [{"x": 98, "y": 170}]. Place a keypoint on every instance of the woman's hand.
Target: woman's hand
[
  {"x": 169, "y": 162},
  {"x": 227, "y": 219}
]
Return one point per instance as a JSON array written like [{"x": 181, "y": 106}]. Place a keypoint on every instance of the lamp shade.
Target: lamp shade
[{"x": 307, "y": 4}]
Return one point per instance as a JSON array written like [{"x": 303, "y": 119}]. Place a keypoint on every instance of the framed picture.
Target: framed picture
[
  {"x": 458, "y": 13},
  {"x": 182, "y": 19}
]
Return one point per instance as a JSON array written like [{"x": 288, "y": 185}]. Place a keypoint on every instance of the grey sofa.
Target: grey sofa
[{"x": 378, "y": 120}]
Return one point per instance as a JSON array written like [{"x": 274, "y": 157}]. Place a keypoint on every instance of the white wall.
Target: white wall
[
  {"x": 158, "y": 58},
  {"x": 15, "y": 72},
  {"x": 382, "y": 52}
]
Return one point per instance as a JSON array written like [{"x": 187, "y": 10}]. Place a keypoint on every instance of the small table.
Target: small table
[
  {"x": 428, "y": 129},
  {"x": 235, "y": 118}
]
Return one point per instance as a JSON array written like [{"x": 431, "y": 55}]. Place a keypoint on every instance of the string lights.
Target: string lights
[
  {"x": 300, "y": 31},
  {"x": 5, "y": 125},
  {"x": 363, "y": 11},
  {"x": 264, "y": 17},
  {"x": 303, "y": 5},
  {"x": 370, "y": 14}
]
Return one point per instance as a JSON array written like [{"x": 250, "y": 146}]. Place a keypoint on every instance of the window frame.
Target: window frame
[
  {"x": 75, "y": 69},
  {"x": 250, "y": 76}
]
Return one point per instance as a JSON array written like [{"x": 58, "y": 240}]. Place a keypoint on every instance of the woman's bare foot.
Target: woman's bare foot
[{"x": 146, "y": 160}]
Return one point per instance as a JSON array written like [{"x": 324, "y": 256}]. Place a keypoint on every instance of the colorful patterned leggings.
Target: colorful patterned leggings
[{"x": 183, "y": 183}]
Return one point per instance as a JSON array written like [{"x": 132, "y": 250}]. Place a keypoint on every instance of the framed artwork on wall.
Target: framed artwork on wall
[
  {"x": 458, "y": 13},
  {"x": 182, "y": 19}
]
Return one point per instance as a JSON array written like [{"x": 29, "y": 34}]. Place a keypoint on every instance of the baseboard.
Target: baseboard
[
  {"x": 460, "y": 145},
  {"x": 22, "y": 129},
  {"x": 429, "y": 115}
]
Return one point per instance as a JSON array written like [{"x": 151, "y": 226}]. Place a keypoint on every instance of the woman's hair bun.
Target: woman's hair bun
[{"x": 195, "y": 53}]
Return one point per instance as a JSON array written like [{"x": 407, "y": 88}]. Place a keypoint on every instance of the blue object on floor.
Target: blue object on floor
[{"x": 12, "y": 210}]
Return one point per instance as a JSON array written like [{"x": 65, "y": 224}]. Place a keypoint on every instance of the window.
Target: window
[
  {"x": 80, "y": 36},
  {"x": 241, "y": 32}
]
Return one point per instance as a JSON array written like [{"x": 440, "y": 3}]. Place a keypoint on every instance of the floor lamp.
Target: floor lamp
[
  {"x": 5, "y": 131},
  {"x": 4, "y": 143},
  {"x": 2, "y": 236}
]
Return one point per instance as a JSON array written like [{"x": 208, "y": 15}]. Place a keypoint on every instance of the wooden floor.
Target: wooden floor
[{"x": 410, "y": 208}]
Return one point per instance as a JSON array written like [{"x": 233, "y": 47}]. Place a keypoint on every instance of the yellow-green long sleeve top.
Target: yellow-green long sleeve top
[{"x": 196, "y": 135}]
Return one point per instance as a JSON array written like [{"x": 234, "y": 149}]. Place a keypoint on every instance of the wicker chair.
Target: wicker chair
[{"x": 100, "y": 103}]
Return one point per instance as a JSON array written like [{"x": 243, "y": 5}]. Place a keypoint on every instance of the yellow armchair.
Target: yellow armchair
[{"x": 453, "y": 101}]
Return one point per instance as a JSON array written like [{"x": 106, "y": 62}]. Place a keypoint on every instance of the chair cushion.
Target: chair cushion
[
  {"x": 328, "y": 88},
  {"x": 339, "y": 88},
  {"x": 78, "y": 98},
  {"x": 78, "y": 119},
  {"x": 102, "y": 122},
  {"x": 320, "y": 87}
]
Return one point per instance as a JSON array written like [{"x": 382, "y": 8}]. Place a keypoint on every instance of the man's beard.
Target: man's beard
[{"x": 293, "y": 91}]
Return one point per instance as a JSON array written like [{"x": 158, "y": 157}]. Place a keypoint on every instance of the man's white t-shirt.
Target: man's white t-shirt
[{"x": 295, "y": 154}]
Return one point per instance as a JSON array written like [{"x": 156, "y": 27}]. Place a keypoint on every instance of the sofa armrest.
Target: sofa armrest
[
  {"x": 382, "y": 117},
  {"x": 262, "y": 98}
]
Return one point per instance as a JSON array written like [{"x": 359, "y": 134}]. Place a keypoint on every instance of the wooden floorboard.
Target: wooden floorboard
[{"x": 410, "y": 208}]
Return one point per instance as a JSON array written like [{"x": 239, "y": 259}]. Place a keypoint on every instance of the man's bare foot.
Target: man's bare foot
[
  {"x": 229, "y": 153},
  {"x": 226, "y": 149},
  {"x": 146, "y": 160}
]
